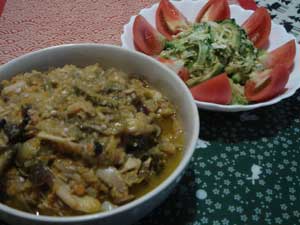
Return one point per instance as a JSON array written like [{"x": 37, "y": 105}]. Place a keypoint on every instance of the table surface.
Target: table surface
[{"x": 245, "y": 169}]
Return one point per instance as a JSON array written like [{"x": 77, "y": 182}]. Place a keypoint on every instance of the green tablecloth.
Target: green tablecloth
[{"x": 245, "y": 169}]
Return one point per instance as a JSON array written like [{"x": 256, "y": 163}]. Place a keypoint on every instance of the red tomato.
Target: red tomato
[
  {"x": 258, "y": 27},
  {"x": 146, "y": 38},
  {"x": 215, "y": 90},
  {"x": 169, "y": 21},
  {"x": 214, "y": 10},
  {"x": 178, "y": 68},
  {"x": 284, "y": 54},
  {"x": 248, "y": 4},
  {"x": 272, "y": 81},
  {"x": 184, "y": 74},
  {"x": 2, "y": 4}
]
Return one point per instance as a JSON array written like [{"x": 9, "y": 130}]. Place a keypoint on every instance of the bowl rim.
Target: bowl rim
[
  {"x": 215, "y": 106},
  {"x": 173, "y": 177}
]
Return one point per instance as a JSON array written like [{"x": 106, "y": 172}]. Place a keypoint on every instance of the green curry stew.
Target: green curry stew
[{"x": 83, "y": 140}]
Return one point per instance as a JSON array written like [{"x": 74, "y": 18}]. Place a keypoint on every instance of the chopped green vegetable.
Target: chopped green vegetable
[
  {"x": 210, "y": 48},
  {"x": 238, "y": 97}
]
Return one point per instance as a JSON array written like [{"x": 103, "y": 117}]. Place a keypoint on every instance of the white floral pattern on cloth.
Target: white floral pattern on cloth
[
  {"x": 202, "y": 144},
  {"x": 246, "y": 116},
  {"x": 249, "y": 174},
  {"x": 256, "y": 171},
  {"x": 285, "y": 12}
]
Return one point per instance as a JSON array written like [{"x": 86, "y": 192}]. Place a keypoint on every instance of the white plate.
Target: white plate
[{"x": 190, "y": 8}]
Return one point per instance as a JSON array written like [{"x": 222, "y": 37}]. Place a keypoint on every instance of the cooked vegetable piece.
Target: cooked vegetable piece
[
  {"x": 18, "y": 132},
  {"x": 131, "y": 164},
  {"x": 67, "y": 146},
  {"x": 140, "y": 106},
  {"x": 40, "y": 174},
  {"x": 119, "y": 189},
  {"x": 138, "y": 143},
  {"x": 98, "y": 148},
  {"x": 16, "y": 87},
  {"x": 140, "y": 124},
  {"x": 146, "y": 38},
  {"x": 6, "y": 158},
  {"x": 267, "y": 84},
  {"x": 28, "y": 150},
  {"x": 238, "y": 96},
  {"x": 169, "y": 21},
  {"x": 214, "y": 10},
  {"x": 258, "y": 27},
  {"x": 215, "y": 90},
  {"x": 86, "y": 204},
  {"x": 108, "y": 206}
]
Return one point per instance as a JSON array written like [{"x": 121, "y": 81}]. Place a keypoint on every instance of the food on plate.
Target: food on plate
[
  {"x": 169, "y": 21},
  {"x": 215, "y": 90},
  {"x": 209, "y": 48},
  {"x": 284, "y": 54},
  {"x": 248, "y": 4},
  {"x": 146, "y": 38},
  {"x": 214, "y": 10},
  {"x": 202, "y": 52},
  {"x": 258, "y": 27},
  {"x": 267, "y": 84},
  {"x": 176, "y": 66},
  {"x": 83, "y": 140}
]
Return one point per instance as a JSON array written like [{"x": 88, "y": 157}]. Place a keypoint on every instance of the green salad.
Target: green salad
[{"x": 209, "y": 48}]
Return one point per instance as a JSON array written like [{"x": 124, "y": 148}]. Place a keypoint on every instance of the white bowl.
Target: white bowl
[
  {"x": 133, "y": 63},
  {"x": 190, "y": 8}
]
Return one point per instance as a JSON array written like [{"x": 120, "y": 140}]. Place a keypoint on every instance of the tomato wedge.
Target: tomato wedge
[
  {"x": 184, "y": 74},
  {"x": 146, "y": 39},
  {"x": 2, "y": 4},
  {"x": 169, "y": 21},
  {"x": 215, "y": 90},
  {"x": 258, "y": 27},
  {"x": 214, "y": 10},
  {"x": 176, "y": 66},
  {"x": 267, "y": 84},
  {"x": 248, "y": 4},
  {"x": 283, "y": 54}
]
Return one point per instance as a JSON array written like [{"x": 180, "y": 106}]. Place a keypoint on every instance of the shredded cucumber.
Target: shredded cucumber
[{"x": 210, "y": 48}]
